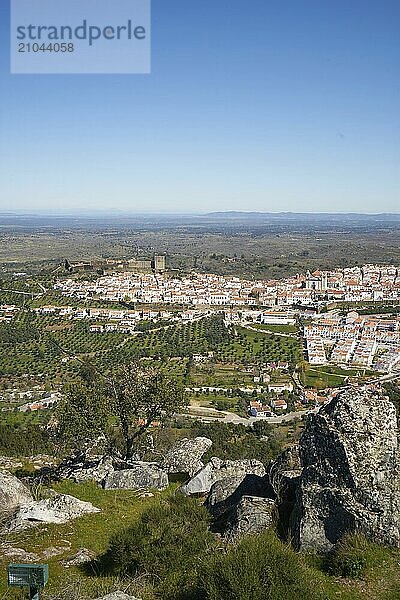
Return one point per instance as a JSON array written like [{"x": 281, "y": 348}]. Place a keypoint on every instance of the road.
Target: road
[
  {"x": 228, "y": 417},
  {"x": 32, "y": 294},
  {"x": 386, "y": 378}
]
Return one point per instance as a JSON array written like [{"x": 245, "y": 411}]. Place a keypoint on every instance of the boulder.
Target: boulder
[
  {"x": 251, "y": 515},
  {"x": 140, "y": 476},
  {"x": 350, "y": 481},
  {"x": 86, "y": 469},
  {"x": 97, "y": 471},
  {"x": 227, "y": 493},
  {"x": 283, "y": 471},
  {"x": 185, "y": 456},
  {"x": 284, "y": 476},
  {"x": 81, "y": 557},
  {"x": 217, "y": 469},
  {"x": 13, "y": 493},
  {"x": 60, "y": 508}
]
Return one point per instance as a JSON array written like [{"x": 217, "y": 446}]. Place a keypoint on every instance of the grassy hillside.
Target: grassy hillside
[{"x": 258, "y": 568}]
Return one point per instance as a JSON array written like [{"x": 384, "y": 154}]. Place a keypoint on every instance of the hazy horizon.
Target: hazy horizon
[{"x": 166, "y": 212}]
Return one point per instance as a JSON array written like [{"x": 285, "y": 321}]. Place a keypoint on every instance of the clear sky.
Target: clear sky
[{"x": 267, "y": 105}]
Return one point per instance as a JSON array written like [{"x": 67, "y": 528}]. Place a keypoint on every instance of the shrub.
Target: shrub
[
  {"x": 235, "y": 442},
  {"x": 167, "y": 543},
  {"x": 349, "y": 558},
  {"x": 24, "y": 439},
  {"x": 259, "y": 568},
  {"x": 172, "y": 546}
]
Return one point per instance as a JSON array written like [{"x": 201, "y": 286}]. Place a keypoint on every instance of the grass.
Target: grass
[
  {"x": 119, "y": 509},
  {"x": 379, "y": 580},
  {"x": 275, "y": 328},
  {"x": 331, "y": 376},
  {"x": 220, "y": 375}
]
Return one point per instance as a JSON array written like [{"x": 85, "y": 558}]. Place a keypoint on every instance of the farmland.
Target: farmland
[{"x": 36, "y": 343}]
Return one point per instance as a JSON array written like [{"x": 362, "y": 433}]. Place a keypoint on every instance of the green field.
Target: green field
[
  {"x": 50, "y": 345},
  {"x": 330, "y": 376},
  {"x": 275, "y": 328}
]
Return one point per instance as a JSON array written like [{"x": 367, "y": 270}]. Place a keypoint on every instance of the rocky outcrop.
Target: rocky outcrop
[
  {"x": 9, "y": 464},
  {"x": 52, "y": 551},
  {"x": 13, "y": 493},
  {"x": 185, "y": 456},
  {"x": 42, "y": 461},
  {"x": 60, "y": 508},
  {"x": 141, "y": 476},
  {"x": 251, "y": 515},
  {"x": 350, "y": 479},
  {"x": 18, "y": 554},
  {"x": 283, "y": 473},
  {"x": 217, "y": 470},
  {"x": 242, "y": 502},
  {"x": 86, "y": 469},
  {"x": 227, "y": 493},
  {"x": 284, "y": 477}
]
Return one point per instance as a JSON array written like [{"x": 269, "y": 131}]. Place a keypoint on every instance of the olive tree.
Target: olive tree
[{"x": 121, "y": 407}]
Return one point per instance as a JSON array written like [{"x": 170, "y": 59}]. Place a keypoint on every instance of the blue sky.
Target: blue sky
[{"x": 251, "y": 105}]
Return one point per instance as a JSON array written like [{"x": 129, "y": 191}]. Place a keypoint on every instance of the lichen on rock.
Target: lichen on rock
[{"x": 350, "y": 480}]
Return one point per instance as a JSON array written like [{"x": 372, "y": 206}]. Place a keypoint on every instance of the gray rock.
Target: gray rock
[
  {"x": 13, "y": 493},
  {"x": 351, "y": 479},
  {"x": 217, "y": 469},
  {"x": 141, "y": 476},
  {"x": 9, "y": 464},
  {"x": 98, "y": 472},
  {"x": 57, "y": 509},
  {"x": 282, "y": 470},
  {"x": 185, "y": 456},
  {"x": 227, "y": 493},
  {"x": 117, "y": 596},
  {"x": 284, "y": 476},
  {"x": 87, "y": 469},
  {"x": 54, "y": 551},
  {"x": 18, "y": 554},
  {"x": 42, "y": 461},
  {"x": 80, "y": 558},
  {"x": 251, "y": 515}
]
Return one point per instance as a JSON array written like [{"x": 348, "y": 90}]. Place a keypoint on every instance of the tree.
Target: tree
[
  {"x": 84, "y": 415},
  {"x": 141, "y": 396},
  {"x": 120, "y": 408}
]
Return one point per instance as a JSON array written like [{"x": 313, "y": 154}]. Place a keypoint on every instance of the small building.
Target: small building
[
  {"x": 279, "y": 388},
  {"x": 279, "y": 404}
]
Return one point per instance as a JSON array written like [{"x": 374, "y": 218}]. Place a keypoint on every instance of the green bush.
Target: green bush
[
  {"x": 24, "y": 438},
  {"x": 236, "y": 442},
  {"x": 172, "y": 545},
  {"x": 350, "y": 557},
  {"x": 259, "y": 568},
  {"x": 167, "y": 544}
]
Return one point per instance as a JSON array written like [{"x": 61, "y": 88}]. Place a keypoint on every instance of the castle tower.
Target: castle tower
[{"x": 158, "y": 263}]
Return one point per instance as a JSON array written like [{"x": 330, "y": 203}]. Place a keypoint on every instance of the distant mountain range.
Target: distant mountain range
[
  {"x": 286, "y": 216},
  {"x": 222, "y": 221}
]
